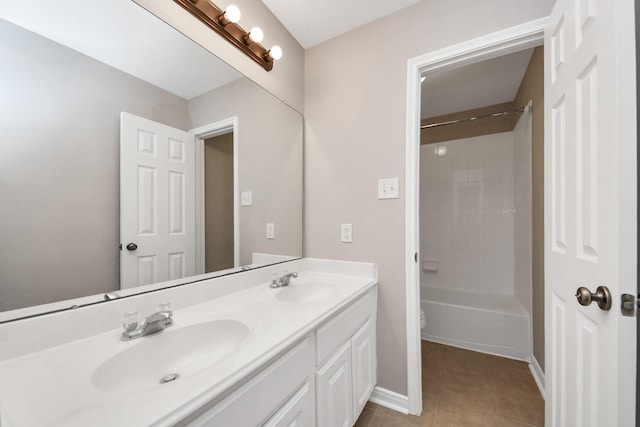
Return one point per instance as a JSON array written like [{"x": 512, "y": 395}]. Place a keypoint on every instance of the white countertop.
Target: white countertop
[{"x": 53, "y": 386}]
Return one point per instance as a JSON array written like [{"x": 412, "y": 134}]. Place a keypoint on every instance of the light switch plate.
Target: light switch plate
[
  {"x": 388, "y": 188},
  {"x": 271, "y": 231},
  {"x": 346, "y": 233},
  {"x": 246, "y": 198}
]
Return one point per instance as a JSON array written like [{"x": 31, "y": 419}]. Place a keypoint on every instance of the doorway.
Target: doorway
[
  {"x": 498, "y": 44},
  {"x": 179, "y": 232},
  {"x": 222, "y": 140},
  {"x": 590, "y": 198},
  {"x": 218, "y": 202}
]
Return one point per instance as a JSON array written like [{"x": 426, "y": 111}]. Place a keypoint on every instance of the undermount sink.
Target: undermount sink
[
  {"x": 305, "y": 292},
  {"x": 163, "y": 357}
]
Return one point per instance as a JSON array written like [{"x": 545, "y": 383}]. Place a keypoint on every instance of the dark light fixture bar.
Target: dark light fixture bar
[{"x": 214, "y": 17}]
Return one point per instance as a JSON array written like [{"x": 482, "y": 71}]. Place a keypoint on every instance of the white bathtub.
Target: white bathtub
[{"x": 490, "y": 323}]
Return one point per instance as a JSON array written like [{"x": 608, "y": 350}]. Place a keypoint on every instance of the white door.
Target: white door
[
  {"x": 157, "y": 202},
  {"x": 590, "y": 211}
]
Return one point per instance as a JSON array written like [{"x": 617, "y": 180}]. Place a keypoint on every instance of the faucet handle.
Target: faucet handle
[
  {"x": 130, "y": 321},
  {"x": 275, "y": 278},
  {"x": 165, "y": 306}
]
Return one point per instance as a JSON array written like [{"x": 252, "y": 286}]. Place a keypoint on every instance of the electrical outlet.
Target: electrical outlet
[
  {"x": 246, "y": 198},
  {"x": 346, "y": 233},
  {"x": 388, "y": 188},
  {"x": 271, "y": 231}
]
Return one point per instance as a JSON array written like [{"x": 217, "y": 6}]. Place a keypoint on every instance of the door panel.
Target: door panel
[
  {"x": 590, "y": 211},
  {"x": 334, "y": 390},
  {"x": 157, "y": 202},
  {"x": 363, "y": 366}
]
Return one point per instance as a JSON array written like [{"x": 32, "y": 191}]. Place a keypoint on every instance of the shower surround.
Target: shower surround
[{"x": 475, "y": 207}]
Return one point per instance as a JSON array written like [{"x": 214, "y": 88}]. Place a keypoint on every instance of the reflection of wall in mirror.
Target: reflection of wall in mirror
[
  {"x": 270, "y": 135},
  {"x": 60, "y": 168},
  {"x": 60, "y": 162}
]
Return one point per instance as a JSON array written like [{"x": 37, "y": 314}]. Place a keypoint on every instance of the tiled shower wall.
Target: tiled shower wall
[{"x": 469, "y": 190}]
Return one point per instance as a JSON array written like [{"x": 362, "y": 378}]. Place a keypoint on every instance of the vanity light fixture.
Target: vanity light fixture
[
  {"x": 275, "y": 53},
  {"x": 255, "y": 36},
  {"x": 231, "y": 15},
  {"x": 224, "y": 22}
]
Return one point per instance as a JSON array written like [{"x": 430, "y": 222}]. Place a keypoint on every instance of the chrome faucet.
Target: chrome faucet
[
  {"x": 153, "y": 323},
  {"x": 283, "y": 280}
]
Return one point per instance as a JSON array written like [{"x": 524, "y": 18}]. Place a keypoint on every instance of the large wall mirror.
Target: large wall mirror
[{"x": 75, "y": 76}]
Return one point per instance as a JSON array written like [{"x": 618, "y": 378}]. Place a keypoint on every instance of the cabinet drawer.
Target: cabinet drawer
[
  {"x": 256, "y": 400},
  {"x": 343, "y": 326},
  {"x": 298, "y": 411}
]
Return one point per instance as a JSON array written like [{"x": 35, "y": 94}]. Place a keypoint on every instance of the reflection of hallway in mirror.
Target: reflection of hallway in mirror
[{"x": 218, "y": 200}]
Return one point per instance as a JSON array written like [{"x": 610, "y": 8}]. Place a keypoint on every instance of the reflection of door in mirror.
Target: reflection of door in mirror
[
  {"x": 218, "y": 202},
  {"x": 157, "y": 202}
]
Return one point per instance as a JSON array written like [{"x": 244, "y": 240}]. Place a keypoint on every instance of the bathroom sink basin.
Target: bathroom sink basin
[
  {"x": 159, "y": 359},
  {"x": 306, "y": 292}
]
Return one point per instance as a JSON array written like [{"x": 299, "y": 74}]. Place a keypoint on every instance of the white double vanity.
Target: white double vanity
[{"x": 239, "y": 353}]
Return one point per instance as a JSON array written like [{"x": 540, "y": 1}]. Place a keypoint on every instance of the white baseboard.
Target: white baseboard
[
  {"x": 390, "y": 399},
  {"x": 537, "y": 373}
]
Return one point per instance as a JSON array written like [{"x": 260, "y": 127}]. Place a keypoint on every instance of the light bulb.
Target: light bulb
[
  {"x": 232, "y": 13},
  {"x": 256, "y": 35},
  {"x": 275, "y": 53}
]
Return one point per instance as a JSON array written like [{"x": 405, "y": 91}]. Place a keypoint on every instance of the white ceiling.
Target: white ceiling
[
  {"x": 477, "y": 85},
  {"x": 485, "y": 83},
  {"x": 125, "y": 36},
  {"x": 312, "y": 22}
]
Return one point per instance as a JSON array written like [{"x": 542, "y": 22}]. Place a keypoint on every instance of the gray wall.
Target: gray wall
[
  {"x": 59, "y": 173},
  {"x": 270, "y": 146},
  {"x": 355, "y": 116}
]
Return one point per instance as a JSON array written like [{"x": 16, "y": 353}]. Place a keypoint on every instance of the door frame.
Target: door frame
[
  {"x": 201, "y": 133},
  {"x": 513, "y": 39}
]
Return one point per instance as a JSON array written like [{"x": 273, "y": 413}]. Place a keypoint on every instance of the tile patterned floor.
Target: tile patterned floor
[{"x": 464, "y": 388}]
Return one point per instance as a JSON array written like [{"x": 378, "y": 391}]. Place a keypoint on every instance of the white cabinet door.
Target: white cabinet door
[
  {"x": 334, "y": 390},
  {"x": 363, "y": 357},
  {"x": 297, "y": 412}
]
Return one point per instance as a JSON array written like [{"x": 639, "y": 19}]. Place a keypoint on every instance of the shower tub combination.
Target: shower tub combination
[
  {"x": 491, "y": 323},
  {"x": 476, "y": 283}
]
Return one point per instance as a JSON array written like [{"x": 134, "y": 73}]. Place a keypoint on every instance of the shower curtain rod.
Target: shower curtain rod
[{"x": 468, "y": 119}]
